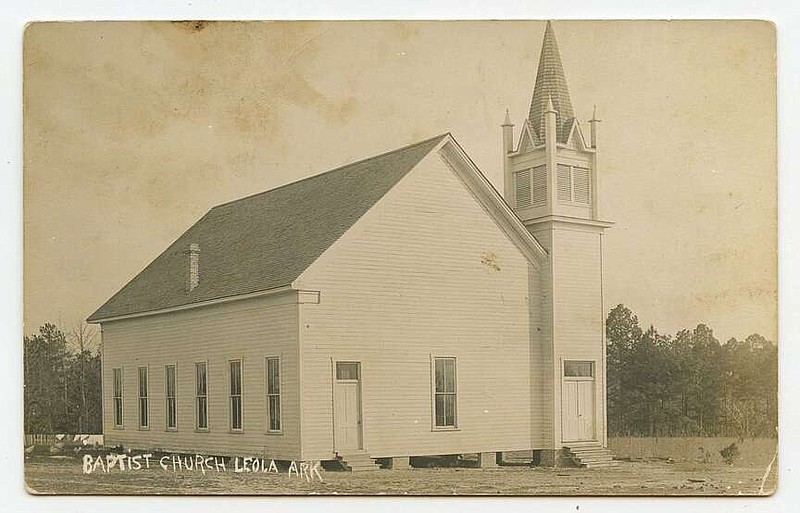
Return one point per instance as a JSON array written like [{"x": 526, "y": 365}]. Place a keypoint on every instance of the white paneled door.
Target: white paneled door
[
  {"x": 347, "y": 407},
  {"x": 578, "y": 404}
]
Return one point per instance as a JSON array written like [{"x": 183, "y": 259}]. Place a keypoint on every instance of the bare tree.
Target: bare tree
[{"x": 83, "y": 337}]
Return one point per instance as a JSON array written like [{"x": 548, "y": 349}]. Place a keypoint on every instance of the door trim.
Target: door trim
[
  {"x": 576, "y": 379},
  {"x": 360, "y": 408}
]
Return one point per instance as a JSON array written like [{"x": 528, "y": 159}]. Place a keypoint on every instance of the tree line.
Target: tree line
[
  {"x": 62, "y": 381},
  {"x": 688, "y": 384},
  {"x": 658, "y": 385}
]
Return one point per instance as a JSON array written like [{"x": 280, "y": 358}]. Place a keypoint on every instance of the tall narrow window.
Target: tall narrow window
[
  {"x": 236, "y": 394},
  {"x": 170, "y": 394},
  {"x": 144, "y": 407},
  {"x": 274, "y": 393},
  {"x": 117, "y": 397},
  {"x": 445, "y": 392},
  {"x": 201, "y": 395}
]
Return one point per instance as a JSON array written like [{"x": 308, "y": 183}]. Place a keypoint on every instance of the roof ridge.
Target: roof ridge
[{"x": 338, "y": 168}]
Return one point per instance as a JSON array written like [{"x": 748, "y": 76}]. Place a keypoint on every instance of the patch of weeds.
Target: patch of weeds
[{"x": 730, "y": 453}]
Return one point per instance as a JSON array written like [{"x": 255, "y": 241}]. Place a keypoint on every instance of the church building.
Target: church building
[{"x": 394, "y": 307}]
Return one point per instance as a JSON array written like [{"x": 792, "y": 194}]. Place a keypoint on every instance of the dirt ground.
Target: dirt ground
[{"x": 64, "y": 475}]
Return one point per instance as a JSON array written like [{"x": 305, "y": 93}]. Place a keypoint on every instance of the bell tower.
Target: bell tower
[
  {"x": 553, "y": 169},
  {"x": 551, "y": 181}
]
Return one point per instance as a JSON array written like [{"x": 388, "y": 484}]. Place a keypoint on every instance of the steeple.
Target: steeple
[
  {"x": 551, "y": 83},
  {"x": 553, "y": 170}
]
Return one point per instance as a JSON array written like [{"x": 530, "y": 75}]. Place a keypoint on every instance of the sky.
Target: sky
[{"x": 132, "y": 131}]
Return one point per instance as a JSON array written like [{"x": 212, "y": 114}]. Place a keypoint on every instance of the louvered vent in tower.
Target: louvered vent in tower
[
  {"x": 522, "y": 187},
  {"x": 580, "y": 180},
  {"x": 563, "y": 183},
  {"x": 539, "y": 186}
]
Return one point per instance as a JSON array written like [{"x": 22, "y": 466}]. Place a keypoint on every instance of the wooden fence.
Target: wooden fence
[{"x": 40, "y": 439}]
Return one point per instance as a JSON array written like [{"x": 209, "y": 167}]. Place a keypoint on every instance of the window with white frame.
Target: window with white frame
[
  {"x": 445, "y": 392},
  {"x": 144, "y": 406},
  {"x": 578, "y": 369},
  {"x": 117, "y": 397},
  {"x": 235, "y": 398},
  {"x": 170, "y": 397},
  {"x": 274, "y": 393},
  {"x": 201, "y": 395}
]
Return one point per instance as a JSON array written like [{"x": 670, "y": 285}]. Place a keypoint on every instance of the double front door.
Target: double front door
[{"x": 578, "y": 402}]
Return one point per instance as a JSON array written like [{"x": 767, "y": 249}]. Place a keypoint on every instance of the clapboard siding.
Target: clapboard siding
[
  {"x": 578, "y": 309},
  {"x": 542, "y": 406},
  {"x": 578, "y": 299},
  {"x": 425, "y": 272},
  {"x": 248, "y": 329}
]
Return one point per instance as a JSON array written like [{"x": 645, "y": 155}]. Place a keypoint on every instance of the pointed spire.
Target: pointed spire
[
  {"x": 550, "y": 107},
  {"x": 507, "y": 122},
  {"x": 551, "y": 83},
  {"x": 593, "y": 127},
  {"x": 594, "y": 115}
]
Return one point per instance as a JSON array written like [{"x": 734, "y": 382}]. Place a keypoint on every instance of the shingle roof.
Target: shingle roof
[
  {"x": 266, "y": 240},
  {"x": 551, "y": 82}
]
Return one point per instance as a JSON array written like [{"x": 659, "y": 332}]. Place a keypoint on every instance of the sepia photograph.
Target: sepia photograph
[{"x": 428, "y": 258}]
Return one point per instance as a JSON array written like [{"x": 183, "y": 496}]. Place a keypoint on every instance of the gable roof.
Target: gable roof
[{"x": 267, "y": 240}]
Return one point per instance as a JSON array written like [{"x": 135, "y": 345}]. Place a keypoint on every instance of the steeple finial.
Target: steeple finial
[
  {"x": 550, "y": 107},
  {"x": 507, "y": 122},
  {"x": 594, "y": 115},
  {"x": 593, "y": 127},
  {"x": 551, "y": 82}
]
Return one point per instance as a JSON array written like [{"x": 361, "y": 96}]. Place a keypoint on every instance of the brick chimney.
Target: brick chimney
[{"x": 193, "y": 261}]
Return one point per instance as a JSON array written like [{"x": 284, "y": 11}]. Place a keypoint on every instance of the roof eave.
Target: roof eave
[
  {"x": 458, "y": 160},
  {"x": 95, "y": 319}
]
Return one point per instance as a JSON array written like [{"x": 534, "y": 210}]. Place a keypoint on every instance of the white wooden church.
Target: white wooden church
[{"x": 398, "y": 306}]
